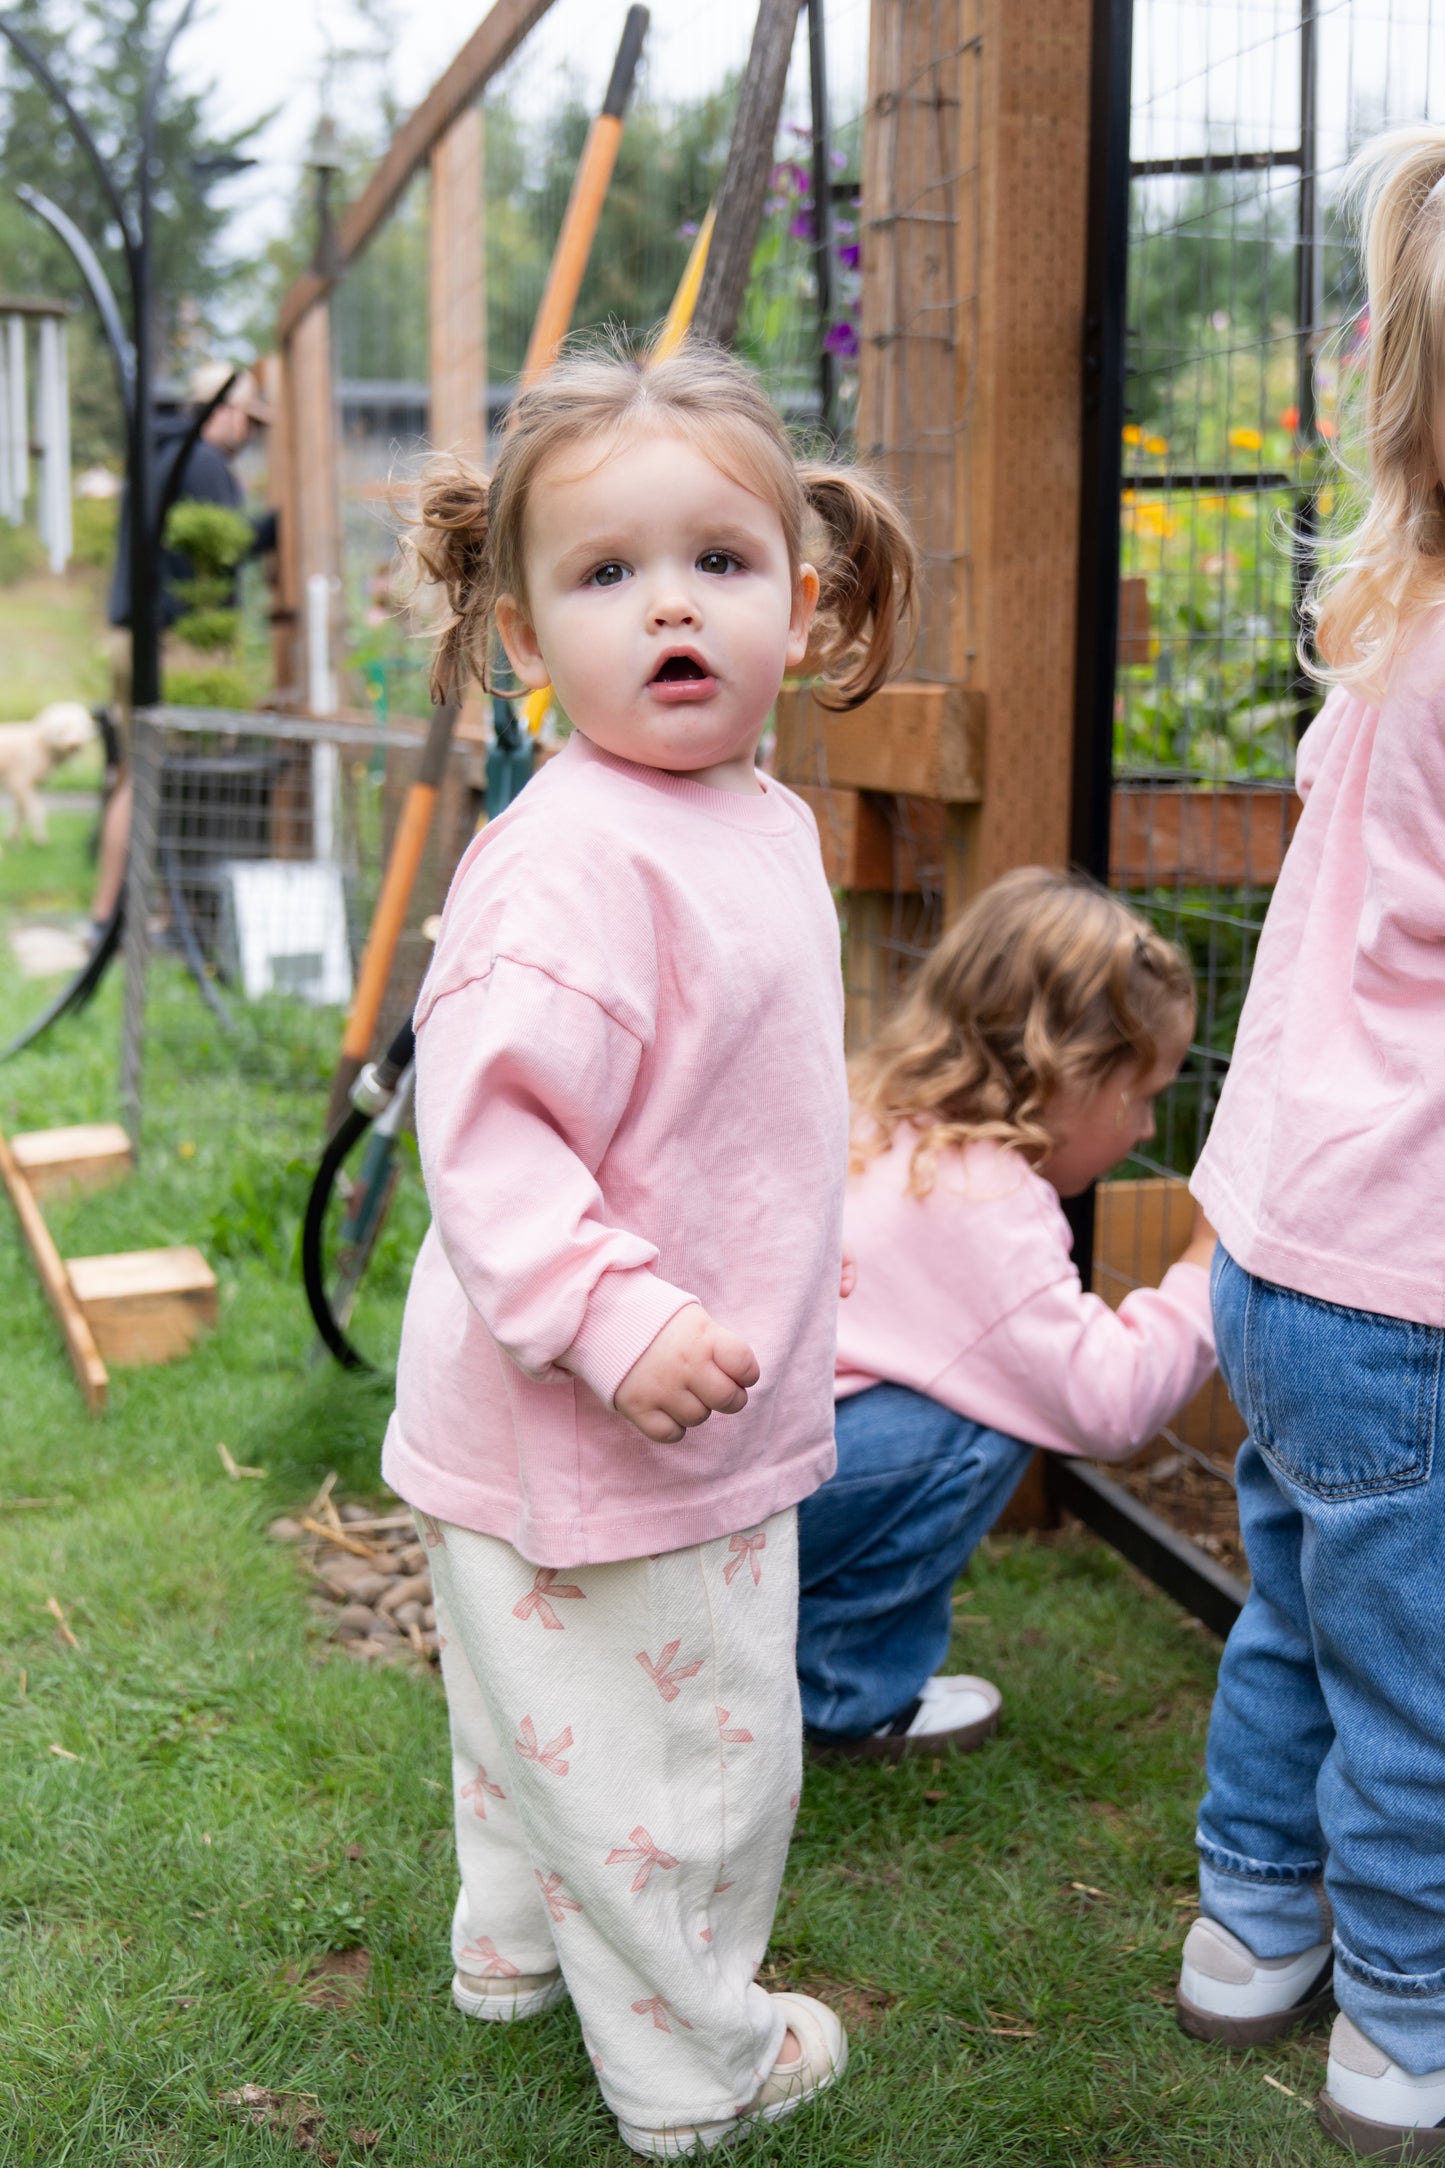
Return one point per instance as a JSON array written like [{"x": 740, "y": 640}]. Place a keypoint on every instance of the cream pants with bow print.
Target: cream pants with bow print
[{"x": 626, "y": 1765}]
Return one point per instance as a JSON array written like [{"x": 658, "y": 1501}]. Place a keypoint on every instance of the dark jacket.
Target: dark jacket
[{"x": 207, "y": 479}]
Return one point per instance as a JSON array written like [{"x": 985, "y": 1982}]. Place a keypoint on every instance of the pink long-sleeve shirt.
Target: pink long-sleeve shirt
[
  {"x": 1325, "y": 1167},
  {"x": 630, "y": 1096},
  {"x": 970, "y": 1295}
]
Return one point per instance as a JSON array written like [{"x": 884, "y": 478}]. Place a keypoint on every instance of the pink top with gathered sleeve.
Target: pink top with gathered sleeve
[
  {"x": 1325, "y": 1167},
  {"x": 970, "y": 1295},
  {"x": 630, "y": 1097}
]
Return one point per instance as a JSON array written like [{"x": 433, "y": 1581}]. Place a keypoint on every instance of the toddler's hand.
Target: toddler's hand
[
  {"x": 1202, "y": 1238},
  {"x": 693, "y": 1368}
]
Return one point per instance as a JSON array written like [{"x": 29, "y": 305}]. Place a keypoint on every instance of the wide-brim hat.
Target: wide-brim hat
[{"x": 207, "y": 380}]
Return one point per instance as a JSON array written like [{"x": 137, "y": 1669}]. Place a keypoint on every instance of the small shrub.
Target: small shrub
[
  {"x": 219, "y": 688},
  {"x": 208, "y": 628},
  {"x": 213, "y": 536}
]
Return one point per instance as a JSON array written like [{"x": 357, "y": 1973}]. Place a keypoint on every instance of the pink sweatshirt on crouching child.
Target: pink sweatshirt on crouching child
[
  {"x": 970, "y": 1295},
  {"x": 1325, "y": 1168},
  {"x": 630, "y": 1096}
]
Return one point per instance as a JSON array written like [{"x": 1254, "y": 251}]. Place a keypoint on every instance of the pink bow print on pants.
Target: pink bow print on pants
[
  {"x": 553, "y": 1897},
  {"x": 664, "y": 1674},
  {"x": 647, "y": 1854},
  {"x": 660, "y": 2011},
  {"x": 736, "y": 1737},
  {"x": 745, "y": 1550},
  {"x": 546, "y": 1757},
  {"x": 480, "y": 1790},
  {"x": 538, "y": 1595},
  {"x": 481, "y": 1958}
]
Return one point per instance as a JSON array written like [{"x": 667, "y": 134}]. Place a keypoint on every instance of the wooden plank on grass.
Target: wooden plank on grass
[
  {"x": 85, "y": 1356},
  {"x": 59, "y": 1162},
  {"x": 146, "y": 1306}
]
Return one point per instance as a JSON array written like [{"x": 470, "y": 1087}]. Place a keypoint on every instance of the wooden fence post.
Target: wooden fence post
[
  {"x": 975, "y": 167},
  {"x": 458, "y": 290}
]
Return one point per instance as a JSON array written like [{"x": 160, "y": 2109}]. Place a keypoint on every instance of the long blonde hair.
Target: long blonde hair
[
  {"x": 1044, "y": 982},
  {"x": 470, "y": 537},
  {"x": 1392, "y": 563}
]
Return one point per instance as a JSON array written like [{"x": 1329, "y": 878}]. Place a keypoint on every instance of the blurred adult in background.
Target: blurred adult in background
[{"x": 207, "y": 477}]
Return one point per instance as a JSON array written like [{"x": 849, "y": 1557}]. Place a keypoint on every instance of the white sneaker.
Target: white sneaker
[
  {"x": 516, "y": 1994},
  {"x": 1227, "y": 1993},
  {"x": 1375, "y": 2107},
  {"x": 952, "y": 1715},
  {"x": 822, "y": 2058}
]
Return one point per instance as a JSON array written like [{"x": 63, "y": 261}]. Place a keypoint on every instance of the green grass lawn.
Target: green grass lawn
[
  {"x": 51, "y": 637},
  {"x": 232, "y": 1802}
]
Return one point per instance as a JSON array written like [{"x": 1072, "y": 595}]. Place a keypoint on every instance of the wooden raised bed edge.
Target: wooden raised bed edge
[{"x": 1170, "y": 1560}]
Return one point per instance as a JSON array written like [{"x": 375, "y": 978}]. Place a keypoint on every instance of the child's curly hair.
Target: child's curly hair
[
  {"x": 1044, "y": 982},
  {"x": 469, "y": 539}
]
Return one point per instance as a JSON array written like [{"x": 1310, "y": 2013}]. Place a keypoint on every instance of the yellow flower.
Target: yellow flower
[
  {"x": 1209, "y": 504},
  {"x": 1154, "y": 518},
  {"x": 1131, "y": 433},
  {"x": 1246, "y": 440},
  {"x": 1157, "y": 445}
]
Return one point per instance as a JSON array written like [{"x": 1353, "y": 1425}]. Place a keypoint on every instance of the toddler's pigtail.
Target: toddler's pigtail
[
  {"x": 450, "y": 547},
  {"x": 867, "y": 602}
]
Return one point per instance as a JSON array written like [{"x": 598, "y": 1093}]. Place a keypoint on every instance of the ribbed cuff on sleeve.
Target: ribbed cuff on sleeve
[{"x": 625, "y": 1313}]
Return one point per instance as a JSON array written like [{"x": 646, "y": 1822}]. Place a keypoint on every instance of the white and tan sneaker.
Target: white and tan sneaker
[
  {"x": 1227, "y": 1993},
  {"x": 822, "y": 2057},
  {"x": 952, "y": 1714},
  {"x": 511, "y": 1995},
  {"x": 1373, "y": 2106}
]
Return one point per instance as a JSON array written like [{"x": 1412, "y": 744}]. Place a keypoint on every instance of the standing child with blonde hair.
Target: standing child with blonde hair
[
  {"x": 633, "y": 1124},
  {"x": 1023, "y": 1064},
  {"x": 1325, "y": 1174}
]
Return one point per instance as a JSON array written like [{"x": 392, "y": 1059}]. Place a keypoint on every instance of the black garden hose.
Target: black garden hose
[
  {"x": 81, "y": 989},
  {"x": 371, "y": 1093}
]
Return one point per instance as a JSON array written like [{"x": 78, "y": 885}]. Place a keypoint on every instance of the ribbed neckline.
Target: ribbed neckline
[{"x": 769, "y": 814}]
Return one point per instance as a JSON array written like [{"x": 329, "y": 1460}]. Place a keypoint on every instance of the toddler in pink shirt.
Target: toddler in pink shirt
[
  {"x": 1022, "y": 1066},
  {"x": 632, "y": 1116}
]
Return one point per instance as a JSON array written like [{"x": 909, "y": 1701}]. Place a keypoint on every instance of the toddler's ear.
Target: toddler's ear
[
  {"x": 520, "y": 641},
  {"x": 800, "y": 621}
]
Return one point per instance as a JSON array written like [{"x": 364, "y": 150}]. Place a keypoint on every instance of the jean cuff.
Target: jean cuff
[
  {"x": 1275, "y": 1908},
  {"x": 1403, "y": 2013}
]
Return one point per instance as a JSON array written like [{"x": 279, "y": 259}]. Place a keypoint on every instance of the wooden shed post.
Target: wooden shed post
[
  {"x": 311, "y": 423},
  {"x": 458, "y": 290}
]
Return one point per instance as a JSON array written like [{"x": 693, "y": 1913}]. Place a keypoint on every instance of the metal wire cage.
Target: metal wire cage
[{"x": 258, "y": 845}]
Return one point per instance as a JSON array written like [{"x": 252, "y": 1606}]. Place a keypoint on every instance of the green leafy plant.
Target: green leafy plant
[{"x": 94, "y": 521}]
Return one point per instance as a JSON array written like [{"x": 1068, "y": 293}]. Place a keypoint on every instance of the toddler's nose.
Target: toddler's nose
[{"x": 675, "y": 609}]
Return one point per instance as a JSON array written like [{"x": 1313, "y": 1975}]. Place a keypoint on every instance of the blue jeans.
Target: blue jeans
[
  {"x": 1326, "y": 1759},
  {"x": 880, "y": 1547}
]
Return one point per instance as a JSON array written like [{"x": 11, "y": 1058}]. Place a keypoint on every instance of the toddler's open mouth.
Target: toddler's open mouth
[{"x": 680, "y": 677}]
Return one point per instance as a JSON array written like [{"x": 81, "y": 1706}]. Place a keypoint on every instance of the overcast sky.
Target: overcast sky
[
  {"x": 271, "y": 54},
  {"x": 1207, "y": 72}
]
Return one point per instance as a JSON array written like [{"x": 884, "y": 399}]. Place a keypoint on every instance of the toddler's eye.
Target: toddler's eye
[
  {"x": 609, "y": 575},
  {"x": 716, "y": 561}
]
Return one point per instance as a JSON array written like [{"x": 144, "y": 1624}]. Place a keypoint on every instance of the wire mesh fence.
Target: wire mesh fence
[{"x": 257, "y": 848}]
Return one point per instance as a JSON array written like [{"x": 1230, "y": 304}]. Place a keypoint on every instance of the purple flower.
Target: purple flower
[
  {"x": 842, "y": 339},
  {"x": 800, "y": 228},
  {"x": 773, "y": 205},
  {"x": 687, "y": 231},
  {"x": 800, "y": 128},
  {"x": 844, "y": 225},
  {"x": 788, "y": 175},
  {"x": 840, "y": 159},
  {"x": 849, "y": 255}
]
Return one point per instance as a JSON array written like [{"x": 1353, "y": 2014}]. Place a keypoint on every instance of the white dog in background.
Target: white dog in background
[{"x": 28, "y": 753}]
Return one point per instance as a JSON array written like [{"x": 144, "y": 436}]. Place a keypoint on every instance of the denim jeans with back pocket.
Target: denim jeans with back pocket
[{"x": 1326, "y": 1760}]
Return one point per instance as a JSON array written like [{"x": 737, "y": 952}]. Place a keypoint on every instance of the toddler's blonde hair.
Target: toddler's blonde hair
[
  {"x": 1393, "y": 561},
  {"x": 471, "y": 532},
  {"x": 1043, "y": 982}
]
